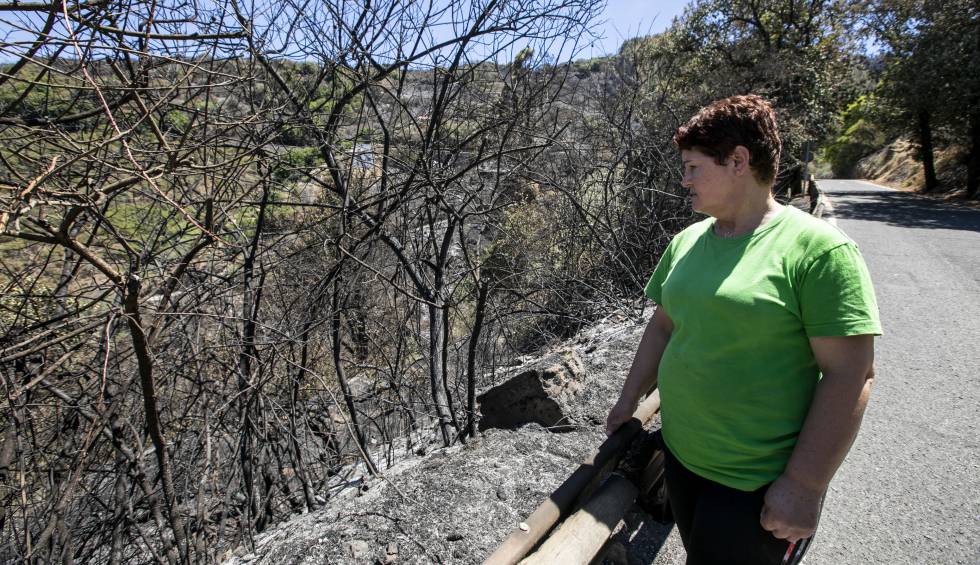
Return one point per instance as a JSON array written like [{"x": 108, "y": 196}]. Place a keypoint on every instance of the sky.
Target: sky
[
  {"x": 621, "y": 20},
  {"x": 631, "y": 18}
]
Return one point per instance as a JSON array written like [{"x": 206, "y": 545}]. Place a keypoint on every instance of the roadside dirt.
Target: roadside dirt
[{"x": 898, "y": 167}]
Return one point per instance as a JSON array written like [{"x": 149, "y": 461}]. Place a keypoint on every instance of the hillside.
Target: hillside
[
  {"x": 897, "y": 165},
  {"x": 454, "y": 505}
]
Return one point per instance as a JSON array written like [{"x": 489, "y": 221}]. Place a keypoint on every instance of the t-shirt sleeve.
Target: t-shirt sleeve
[
  {"x": 836, "y": 296},
  {"x": 654, "y": 287}
]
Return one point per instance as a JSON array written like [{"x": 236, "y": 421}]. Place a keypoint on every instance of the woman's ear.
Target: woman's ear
[{"x": 740, "y": 159}]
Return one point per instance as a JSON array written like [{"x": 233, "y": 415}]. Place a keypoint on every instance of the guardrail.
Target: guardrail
[
  {"x": 819, "y": 203},
  {"x": 603, "y": 496}
]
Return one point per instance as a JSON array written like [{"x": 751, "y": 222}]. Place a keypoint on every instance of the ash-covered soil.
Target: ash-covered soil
[{"x": 455, "y": 505}]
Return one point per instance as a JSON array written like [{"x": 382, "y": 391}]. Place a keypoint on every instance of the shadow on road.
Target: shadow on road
[{"x": 902, "y": 209}]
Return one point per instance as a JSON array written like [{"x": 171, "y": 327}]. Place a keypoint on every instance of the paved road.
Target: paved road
[{"x": 909, "y": 491}]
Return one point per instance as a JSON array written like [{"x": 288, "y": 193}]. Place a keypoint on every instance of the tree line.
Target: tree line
[{"x": 921, "y": 85}]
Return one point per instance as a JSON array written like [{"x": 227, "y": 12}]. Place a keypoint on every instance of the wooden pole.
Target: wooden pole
[
  {"x": 580, "y": 537},
  {"x": 523, "y": 538}
]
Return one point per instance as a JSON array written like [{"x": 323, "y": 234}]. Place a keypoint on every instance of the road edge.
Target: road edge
[{"x": 824, "y": 208}]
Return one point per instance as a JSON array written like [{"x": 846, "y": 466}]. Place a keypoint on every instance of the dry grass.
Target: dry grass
[{"x": 897, "y": 166}]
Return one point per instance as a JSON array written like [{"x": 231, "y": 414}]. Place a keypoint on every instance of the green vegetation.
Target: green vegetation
[
  {"x": 927, "y": 87},
  {"x": 860, "y": 137},
  {"x": 39, "y": 95},
  {"x": 295, "y": 161}
]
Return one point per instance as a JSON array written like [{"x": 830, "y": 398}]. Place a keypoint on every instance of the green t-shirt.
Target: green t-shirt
[{"x": 738, "y": 374}]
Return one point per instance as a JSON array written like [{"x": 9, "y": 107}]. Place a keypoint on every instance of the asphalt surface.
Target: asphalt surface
[{"x": 909, "y": 491}]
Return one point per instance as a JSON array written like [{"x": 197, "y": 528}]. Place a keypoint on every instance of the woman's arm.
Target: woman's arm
[
  {"x": 642, "y": 377},
  {"x": 792, "y": 503}
]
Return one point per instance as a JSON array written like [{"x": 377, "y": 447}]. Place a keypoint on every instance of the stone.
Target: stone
[
  {"x": 541, "y": 394},
  {"x": 503, "y": 493},
  {"x": 359, "y": 550},
  {"x": 391, "y": 554}
]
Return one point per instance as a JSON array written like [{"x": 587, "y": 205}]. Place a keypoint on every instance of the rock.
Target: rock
[
  {"x": 503, "y": 493},
  {"x": 359, "y": 550},
  {"x": 391, "y": 554},
  {"x": 455, "y": 536},
  {"x": 542, "y": 394}
]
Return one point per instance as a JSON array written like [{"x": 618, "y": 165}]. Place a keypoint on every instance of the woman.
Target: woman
[{"x": 761, "y": 346}]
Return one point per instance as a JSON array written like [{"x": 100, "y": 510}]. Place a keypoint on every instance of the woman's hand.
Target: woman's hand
[
  {"x": 792, "y": 503},
  {"x": 619, "y": 415},
  {"x": 791, "y": 510}
]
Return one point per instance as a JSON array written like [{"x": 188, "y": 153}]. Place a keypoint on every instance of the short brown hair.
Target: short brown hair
[{"x": 725, "y": 124}]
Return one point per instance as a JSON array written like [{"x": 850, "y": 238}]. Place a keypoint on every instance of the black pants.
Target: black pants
[{"x": 720, "y": 525}]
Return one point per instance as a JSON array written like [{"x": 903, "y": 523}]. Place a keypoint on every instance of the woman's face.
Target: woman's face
[{"x": 712, "y": 185}]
